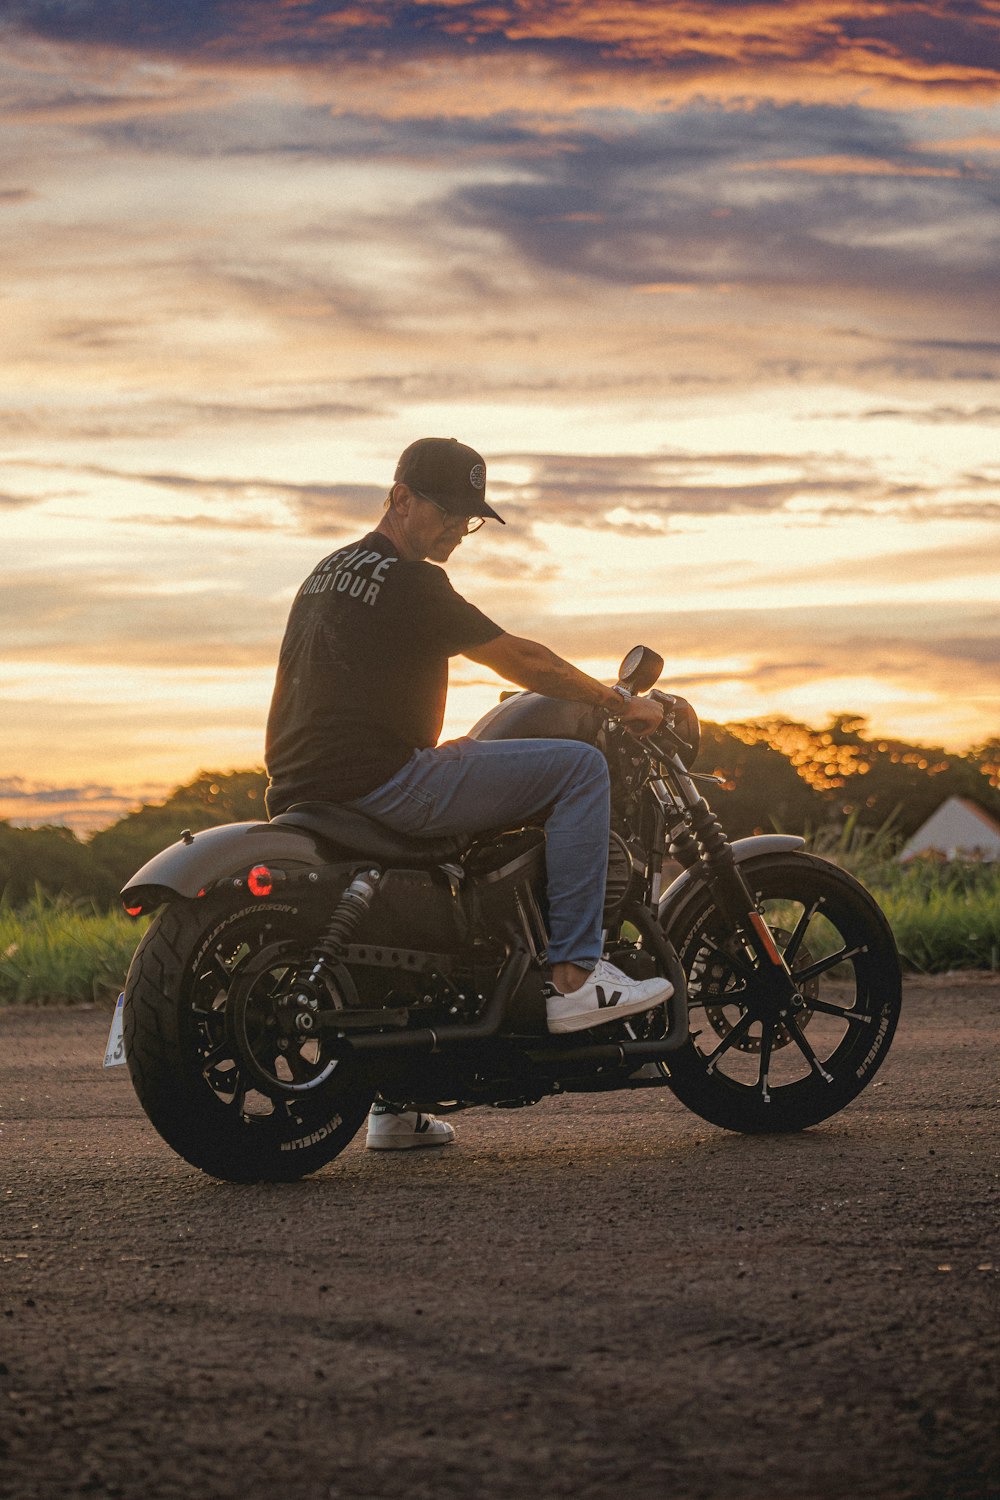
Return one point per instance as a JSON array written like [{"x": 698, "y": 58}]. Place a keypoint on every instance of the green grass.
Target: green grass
[
  {"x": 943, "y": 916},
  {"x": 54, "y": 951}
]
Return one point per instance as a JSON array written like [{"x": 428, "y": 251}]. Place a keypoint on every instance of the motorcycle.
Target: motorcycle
[{"x": 296, "y": 969}]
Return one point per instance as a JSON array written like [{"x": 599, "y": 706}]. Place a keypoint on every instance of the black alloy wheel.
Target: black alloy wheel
[
  {"x": 751, "y": 1065},
  {"x": 217, "y": 1063}
]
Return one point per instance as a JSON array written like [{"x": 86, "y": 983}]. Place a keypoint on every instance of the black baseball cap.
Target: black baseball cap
[{"x": 447, "y": 471}]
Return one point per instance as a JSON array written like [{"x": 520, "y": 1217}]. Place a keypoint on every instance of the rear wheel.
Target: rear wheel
[
  {"x": 215, "y": 1060},
  {"x": 747, "y": 1068}
]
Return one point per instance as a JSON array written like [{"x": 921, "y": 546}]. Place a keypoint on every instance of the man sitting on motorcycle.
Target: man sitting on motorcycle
[{"x": 358, "y": 707}]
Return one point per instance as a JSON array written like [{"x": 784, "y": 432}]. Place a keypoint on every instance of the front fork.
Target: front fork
[
  {"x": 774, "y": 995},
  {"x": 702, "y": 843}
]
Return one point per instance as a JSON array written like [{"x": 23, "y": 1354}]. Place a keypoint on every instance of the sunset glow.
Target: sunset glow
[{"x": 714, "y": 288}]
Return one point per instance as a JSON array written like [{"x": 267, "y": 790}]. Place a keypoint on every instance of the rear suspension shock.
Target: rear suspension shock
[{"x": 354, "y": 904}]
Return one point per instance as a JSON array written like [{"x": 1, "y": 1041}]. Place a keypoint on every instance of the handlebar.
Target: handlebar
[{"x": 675, "y": 744}]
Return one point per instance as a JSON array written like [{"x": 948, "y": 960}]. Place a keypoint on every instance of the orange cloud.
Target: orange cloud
[
  {"x": 80, "y": 107},
  {"x": 986, "y": 141},
  {"x": 854, "y": 166},
  {"x": 548, "y": 57}
]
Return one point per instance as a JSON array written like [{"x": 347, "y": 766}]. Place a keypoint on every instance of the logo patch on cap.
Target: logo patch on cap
[{"x": 477, "y": 477}]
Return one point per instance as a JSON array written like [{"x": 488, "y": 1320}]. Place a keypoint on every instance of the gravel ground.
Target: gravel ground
[{"x": 599, "y": 1296}]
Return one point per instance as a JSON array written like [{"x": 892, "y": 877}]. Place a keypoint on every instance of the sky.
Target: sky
[{"x": 714, "y": 287}]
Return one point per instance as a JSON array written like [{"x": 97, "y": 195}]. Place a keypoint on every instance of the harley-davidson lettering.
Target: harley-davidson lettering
[{"x": 213, "y": 936}]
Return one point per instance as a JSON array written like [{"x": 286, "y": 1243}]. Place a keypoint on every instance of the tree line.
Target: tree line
[{"x": 775, "y": 773}]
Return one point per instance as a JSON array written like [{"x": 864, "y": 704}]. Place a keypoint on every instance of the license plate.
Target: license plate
[{"x": 114, "y": 1052}]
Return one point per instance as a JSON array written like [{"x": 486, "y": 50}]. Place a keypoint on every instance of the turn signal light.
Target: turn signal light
[{"x": 260, "y": 881}]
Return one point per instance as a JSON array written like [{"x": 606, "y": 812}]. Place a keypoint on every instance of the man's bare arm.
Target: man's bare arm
[{"x": 533, "y": 666}]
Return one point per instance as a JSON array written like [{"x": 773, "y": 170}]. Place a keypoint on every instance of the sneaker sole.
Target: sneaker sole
[
  {"x": 409, "y": 1143},
  {"x": 586, "y": 1021}
]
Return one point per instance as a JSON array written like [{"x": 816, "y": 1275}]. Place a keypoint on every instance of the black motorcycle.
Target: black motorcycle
[{"x": 298, "y": 968}]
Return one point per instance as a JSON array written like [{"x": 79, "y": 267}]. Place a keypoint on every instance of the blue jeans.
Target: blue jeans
[{"x": 468, "y": 786}]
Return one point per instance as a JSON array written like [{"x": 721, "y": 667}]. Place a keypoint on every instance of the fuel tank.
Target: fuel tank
[{"x": 530, "y": 716}]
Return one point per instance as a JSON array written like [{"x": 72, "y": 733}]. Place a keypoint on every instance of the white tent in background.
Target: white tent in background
[{"x": 959, "y": 829}]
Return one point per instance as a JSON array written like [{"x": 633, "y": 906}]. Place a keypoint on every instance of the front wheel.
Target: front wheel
[
  {"x": 746, "y": 1068},
  {"x": 227, "y": 1083}
]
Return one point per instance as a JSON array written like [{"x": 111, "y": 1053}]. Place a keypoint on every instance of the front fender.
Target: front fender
[
  {"x": 743, "y": 849},
  {"x": 196, "y": 863}
]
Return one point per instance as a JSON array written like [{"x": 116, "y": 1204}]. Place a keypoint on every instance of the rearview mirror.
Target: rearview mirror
[{"x": 640, "y": 669}]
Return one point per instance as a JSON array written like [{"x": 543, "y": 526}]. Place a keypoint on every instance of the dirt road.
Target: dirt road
[{"x": 600, "y": 1296}]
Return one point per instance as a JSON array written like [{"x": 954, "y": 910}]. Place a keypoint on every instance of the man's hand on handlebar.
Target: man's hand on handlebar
[{"x": 641, "y": 715}]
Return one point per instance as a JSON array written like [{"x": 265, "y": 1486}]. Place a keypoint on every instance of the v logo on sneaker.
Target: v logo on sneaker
[{"x": 607, "y": 990}]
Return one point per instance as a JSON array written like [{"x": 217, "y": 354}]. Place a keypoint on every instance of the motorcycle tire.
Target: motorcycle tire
[
  {"x": 748, "y": 1074},
  {"x": 185, "y": 1060}
]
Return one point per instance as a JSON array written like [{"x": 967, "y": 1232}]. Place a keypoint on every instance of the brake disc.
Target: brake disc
[{"x": 717, "y": 1011}]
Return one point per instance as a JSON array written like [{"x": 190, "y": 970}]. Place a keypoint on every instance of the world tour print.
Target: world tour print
[{"x": 353, "y": 571}]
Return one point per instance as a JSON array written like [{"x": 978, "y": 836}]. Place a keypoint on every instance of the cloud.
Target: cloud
[
  {"x": 560, "y": 217},
  {"x": 120, "y": 620},
  {"x": 105, "y": 617},
  {"x": 990, "y": 347},
  {"x": 215, "y": 412},
  {"x": 475, "y": 56},
  {"x": 581, "y": 503},
  {"x": 855, "y": 166},
  {"x": 83, "y": 807},
  {"x": 10, "y": 501},
  {"x": 585, "y": 491},
  {"x": 932, "y": 415},
  {"x": 660, "y": 206},
  {"x": 320, "y": 507},
  {"x": 581, "y": 490},
  {"x": 77, "y": 107},
  {"x": 986, "y": 141},
  {"x": 323, "y": 506},
  {"x": 939, "y": 37},
  {"x": 930, "y": 649},
  {"x": 958, "y": 561},
  {"x": 240, "y": 521},
  {"x": 592, "y": 490},
  {"x": 981, "y": 512},
  {"x": 929, "y": 359},
  {"x": 124, "y": 416}
]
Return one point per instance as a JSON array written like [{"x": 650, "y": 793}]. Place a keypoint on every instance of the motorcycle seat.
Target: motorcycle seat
[{"x": 358, "y": 834}]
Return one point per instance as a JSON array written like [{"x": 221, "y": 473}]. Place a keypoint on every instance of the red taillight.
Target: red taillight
[
  {"x": 134, "y": 911},
  {"x": 260, "y": 881}
]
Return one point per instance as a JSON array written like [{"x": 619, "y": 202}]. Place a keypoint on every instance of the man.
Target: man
[{"x": 358, "y": 707}]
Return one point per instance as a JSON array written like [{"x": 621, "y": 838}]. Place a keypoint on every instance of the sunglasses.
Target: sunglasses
[{"x": 469, "y": 524}]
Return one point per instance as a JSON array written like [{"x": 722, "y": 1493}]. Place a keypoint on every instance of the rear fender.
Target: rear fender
[
  {"x": 200, "y": 861},
  {"x": 743, "y": 849}
]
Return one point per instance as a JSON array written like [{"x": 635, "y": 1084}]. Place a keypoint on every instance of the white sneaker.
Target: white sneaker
[
  {"x": 392, "y": 1132},
  {"x": 608, "y": 995}
]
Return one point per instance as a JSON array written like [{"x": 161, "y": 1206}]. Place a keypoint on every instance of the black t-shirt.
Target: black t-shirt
[{"x": 363, "y": 672}]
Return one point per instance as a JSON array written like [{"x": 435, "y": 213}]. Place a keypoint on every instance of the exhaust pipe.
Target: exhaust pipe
[
  {"x": 428, "y": 1040},
  {"x": 657, "y": 1050}
]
